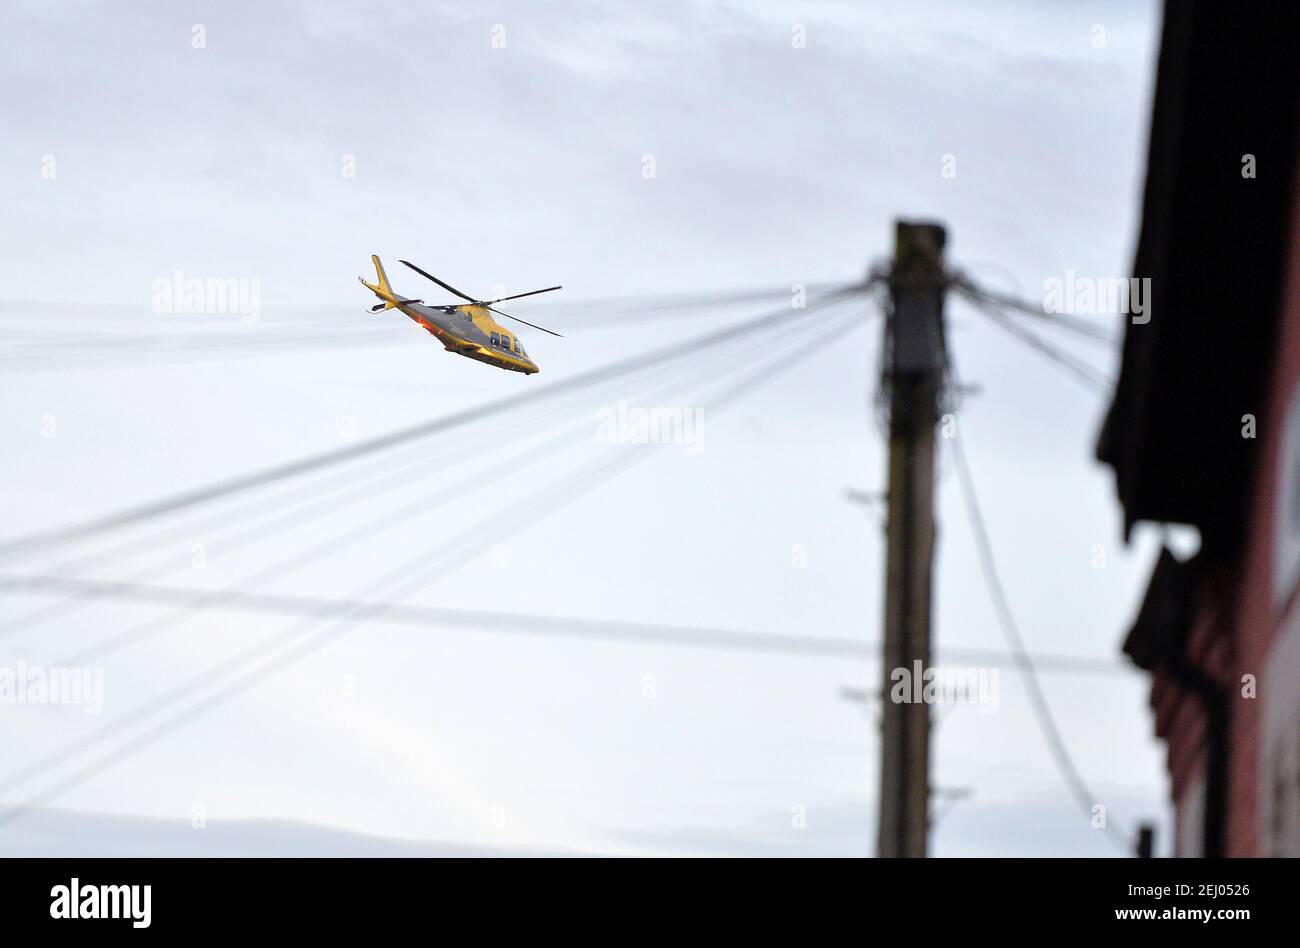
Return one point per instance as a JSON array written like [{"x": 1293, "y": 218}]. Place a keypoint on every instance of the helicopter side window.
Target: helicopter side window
[
  {"x": 496, "y": 340},
  {"x": 519, "y": 350}
]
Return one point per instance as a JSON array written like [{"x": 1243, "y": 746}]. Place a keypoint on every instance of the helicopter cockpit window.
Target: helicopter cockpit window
[{"x": 519, "y": 350}]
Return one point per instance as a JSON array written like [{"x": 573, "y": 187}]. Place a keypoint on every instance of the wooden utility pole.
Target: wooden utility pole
[{"x": 912, "y": 381}]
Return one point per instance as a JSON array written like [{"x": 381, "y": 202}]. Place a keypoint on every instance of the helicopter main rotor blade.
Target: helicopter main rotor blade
[
  {"x": 502, "y": 299},
  {"x": 429, "y": 276},
  {"x": 524, "y": 321}
]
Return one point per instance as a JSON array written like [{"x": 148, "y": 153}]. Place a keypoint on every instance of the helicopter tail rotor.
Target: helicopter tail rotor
[{"x": 382, "y": 288}]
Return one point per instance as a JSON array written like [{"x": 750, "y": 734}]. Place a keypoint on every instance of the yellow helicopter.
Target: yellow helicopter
[{"x": 466, "y": 329}]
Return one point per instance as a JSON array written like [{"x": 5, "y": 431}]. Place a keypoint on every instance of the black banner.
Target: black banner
[{"x": 440, "y": 897}]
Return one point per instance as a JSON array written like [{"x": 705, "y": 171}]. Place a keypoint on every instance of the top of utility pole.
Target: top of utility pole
[{"x": 917, "y": 282}]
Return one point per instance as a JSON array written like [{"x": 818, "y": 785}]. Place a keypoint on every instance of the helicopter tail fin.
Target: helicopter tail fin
[{"x": 381, "y": 289}]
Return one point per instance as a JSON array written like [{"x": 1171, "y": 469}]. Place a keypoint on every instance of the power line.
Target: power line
[
  {"x": 130, "y": 350},
  {"x": 242, "y": 600},
  {"x": 111, "y": 351},
  {"x": 405, "y": 578},
  {"x": 338, "y": 492},
  {"x": 1077, "y": 368},
  {"x": 1016, "y": 646},
  {"x": 395, "y": 475},
  {"x": 256, "y": 479},
  {"x": 613, "y": 313},
  {"x": 385, "y": 468},
  {"x": 1064, "y": 321},
  {"x": 421, "y": 505}
]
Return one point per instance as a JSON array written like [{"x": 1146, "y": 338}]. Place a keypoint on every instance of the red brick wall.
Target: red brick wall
[{"x": 1256, "y": 619}]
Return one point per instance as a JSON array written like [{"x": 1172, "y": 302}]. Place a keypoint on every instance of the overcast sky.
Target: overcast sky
[{"x": 506, "y": 145}]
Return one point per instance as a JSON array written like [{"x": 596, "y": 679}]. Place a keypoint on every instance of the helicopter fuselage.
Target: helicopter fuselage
[{"x": 471, "y": 331}]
